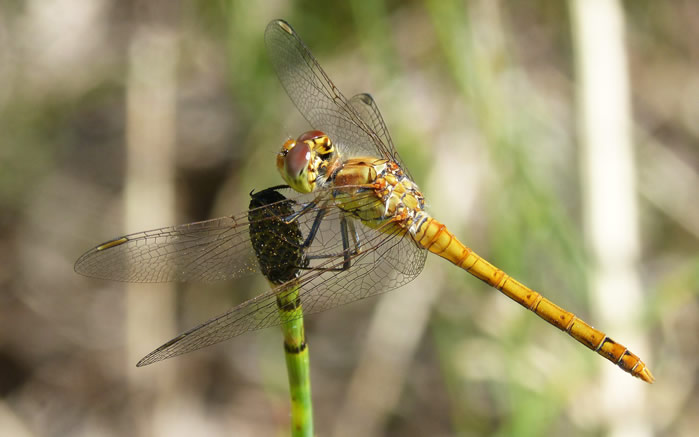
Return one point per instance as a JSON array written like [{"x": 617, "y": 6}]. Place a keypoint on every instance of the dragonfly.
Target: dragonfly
[{"x": 362, "y": 218}]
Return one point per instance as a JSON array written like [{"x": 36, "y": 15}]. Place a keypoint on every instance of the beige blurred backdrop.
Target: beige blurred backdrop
[{"x": 557, "y": 139}]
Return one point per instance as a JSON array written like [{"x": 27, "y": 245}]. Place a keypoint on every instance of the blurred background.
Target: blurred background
[{"x": 557, "y": 139}]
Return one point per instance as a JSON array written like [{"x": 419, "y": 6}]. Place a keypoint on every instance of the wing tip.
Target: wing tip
[{"x": 281, "y": 23}]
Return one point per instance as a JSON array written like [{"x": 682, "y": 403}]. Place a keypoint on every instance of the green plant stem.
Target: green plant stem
[{"x": 297, "y": 363}]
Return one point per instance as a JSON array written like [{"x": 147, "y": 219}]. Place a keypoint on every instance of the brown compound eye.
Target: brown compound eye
[
  {"x": 297, "y": 159},
  {"x": 310, "y": 135}
]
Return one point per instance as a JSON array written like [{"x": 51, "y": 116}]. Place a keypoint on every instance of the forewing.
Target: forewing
[
  {"x": 316, "y": 97},
  {"x": 210, "y": 250}
]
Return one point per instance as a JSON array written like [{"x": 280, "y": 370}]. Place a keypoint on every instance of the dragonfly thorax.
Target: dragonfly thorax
[
  {"x": 307, "y": 161},
  {"x": 378, "y": 192}
]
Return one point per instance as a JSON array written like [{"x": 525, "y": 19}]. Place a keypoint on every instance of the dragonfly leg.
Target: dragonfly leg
[
  {"x": 355, "y": 235},
  {"x": 345, "y": 244},
  {"x": 347, "y": 251},
  {"x": 306, "y": 208},
  {"x": 314, "y": 228}
]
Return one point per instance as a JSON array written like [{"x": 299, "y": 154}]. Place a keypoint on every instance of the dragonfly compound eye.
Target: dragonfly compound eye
[
  {"x": 310, "y": 135},
  {"x": 297, "y": 159},
  {"x": 293, "y": 164}
]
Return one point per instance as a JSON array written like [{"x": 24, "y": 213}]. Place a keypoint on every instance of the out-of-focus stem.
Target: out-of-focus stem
[
  {"x": 609, "y": 195},
  {"x": 149, "y": 198}
]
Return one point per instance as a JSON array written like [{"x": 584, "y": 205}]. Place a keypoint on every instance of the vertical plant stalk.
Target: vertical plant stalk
[
  {"x": 609, "y": 194},
  {"x": 278, "y": 246},
  {"x": 297, "y": 362},
  {"x": 149, "y": 198}
]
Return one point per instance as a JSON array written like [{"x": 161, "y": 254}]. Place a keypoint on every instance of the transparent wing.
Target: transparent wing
[
  {"x": 367, "y": 109},
  {"x": 388, "y": 259},
  {"x": 211, "y": 250},
  {"x": 319, "y": 100}
]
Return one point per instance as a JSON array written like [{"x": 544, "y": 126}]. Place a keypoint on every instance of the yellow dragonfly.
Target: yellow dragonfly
[{"x": 361, "y": 216}]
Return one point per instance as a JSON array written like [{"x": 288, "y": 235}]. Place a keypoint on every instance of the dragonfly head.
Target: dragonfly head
[{"x": 303, "y": 162}]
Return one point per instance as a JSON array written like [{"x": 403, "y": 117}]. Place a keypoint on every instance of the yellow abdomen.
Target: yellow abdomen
[{"x": 435, "y": 237}]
